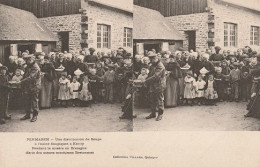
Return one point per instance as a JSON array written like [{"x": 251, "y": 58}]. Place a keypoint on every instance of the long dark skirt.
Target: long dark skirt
[
  {"x": 254, "y": 107},
  {"x": 172, "y": 92},
  {"x": 181, "y": 85},
  {"x": 46, "y": 93}
]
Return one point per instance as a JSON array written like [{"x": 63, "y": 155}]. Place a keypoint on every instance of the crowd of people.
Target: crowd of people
[
  {"x": 37, "y": 81},
  {"x": 196, "y": 78}
]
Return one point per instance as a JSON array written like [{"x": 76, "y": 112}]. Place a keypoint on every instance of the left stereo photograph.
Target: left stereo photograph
[{"x": 66, "y": 66}]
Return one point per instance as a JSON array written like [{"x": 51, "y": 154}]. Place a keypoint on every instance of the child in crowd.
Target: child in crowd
[
  {"x": 100, "y": 71},
  {"x": 18, "y": 75},
  {"x": 220, "y": 80},
  {"x": 74, "y": 94},
  {"x": 210, "y": 90},
  {"x": 189, "y": 88},
  {"x": 94, "y": 84},
  {"x": 143, "y": 75},
  {"x": 64, "y": 94},
  {"x": 109, "y": 79},
  {"x": 84, "y": 94},
  {"x": 200, "y": 87},
  {"x": 17, "y": 92},
  {"x": 143, "y": 90}
]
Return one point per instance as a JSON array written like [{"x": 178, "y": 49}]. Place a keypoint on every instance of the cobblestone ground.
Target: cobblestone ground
[
  {"x": 97, "y": 118},
  {"x": 226, "y": 116}
]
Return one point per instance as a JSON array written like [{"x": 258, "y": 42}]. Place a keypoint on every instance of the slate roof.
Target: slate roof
[
  {"x": 151, "y": 24},
  {"x": 20, "y": 25},
  {"x": 125, "y": 5}
]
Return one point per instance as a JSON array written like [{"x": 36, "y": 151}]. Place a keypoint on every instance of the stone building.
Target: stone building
[
  {"x": 153, "y": 31},
  {"x": 78, "y": 24},
  {"x": 229, "y": 24},
  {"x": 20, "y": 31}
]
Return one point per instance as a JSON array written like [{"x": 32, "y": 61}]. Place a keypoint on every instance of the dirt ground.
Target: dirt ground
[
  {"x": 226, "y": 116},
  {"x": 97, "y": 118}
]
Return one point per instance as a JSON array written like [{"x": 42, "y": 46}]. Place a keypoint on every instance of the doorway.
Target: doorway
[
  {"x": 191, "y": 40},
  {"x": 64, "y": 38},
  {"x": 149, "y": 47},
  {"x": 24, "y": 47}
]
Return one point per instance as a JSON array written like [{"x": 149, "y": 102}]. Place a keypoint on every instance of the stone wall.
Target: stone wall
[
  {"x": 64, "y": 23},
  {"x": 244, "y": 19},
  {"x": 197, "y": 22},
  {"x": 117, "y": 20}
]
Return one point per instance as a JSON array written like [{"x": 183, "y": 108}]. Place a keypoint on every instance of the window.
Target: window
[
  {"x": 127, "y": 37},
  {"x": 103, "y": 36},
  {"x": 254, "y": 37},
  {"x": 230, "y": 34}
]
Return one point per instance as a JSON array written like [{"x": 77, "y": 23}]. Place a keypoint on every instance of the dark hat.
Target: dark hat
[
  {"x": 3, "y": 68},
  {"x": 91, "y": 49},
  {"x": 217, "y": 48},
  {"x": 172, "y": 56}
]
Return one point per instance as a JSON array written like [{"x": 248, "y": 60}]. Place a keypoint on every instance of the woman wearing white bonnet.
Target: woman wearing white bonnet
[
  {"x": 205, "y": 56},
  {"x": 68, "y": 56},
  {"x": 80, "y": 58}
]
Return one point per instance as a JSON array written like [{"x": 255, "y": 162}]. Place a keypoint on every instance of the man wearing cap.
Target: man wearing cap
[
  {"x": 31, "y": 84},
  {"x": 156, "y": 83},
  {"x": 4, "y": 92},
  {"x": 91, "y": 58}
]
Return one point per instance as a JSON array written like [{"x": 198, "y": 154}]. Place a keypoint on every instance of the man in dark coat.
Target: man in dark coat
[
  {"x": 156, "y": 83},
  {"x": 4, "y": 93},
  {"x": 91, "y": 58},
  {"x": 217, "y": 57},
  {"x": 31, "y": 84},
  {"x": 119, "y": 78}
]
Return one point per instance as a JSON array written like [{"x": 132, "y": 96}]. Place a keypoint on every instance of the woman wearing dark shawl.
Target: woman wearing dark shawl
[
  {"x": 46, "y": 94},
  {"x": 172, "y": 83},
  {"x": 254, "y": 105}
]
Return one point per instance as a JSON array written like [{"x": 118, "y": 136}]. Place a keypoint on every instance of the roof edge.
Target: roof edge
[
  {"x": 110, "y": 6},
  {"x": 238, "y": 5}
]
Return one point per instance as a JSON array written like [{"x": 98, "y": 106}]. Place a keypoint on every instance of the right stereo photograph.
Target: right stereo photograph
[{"x": 196, "y": 65}]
